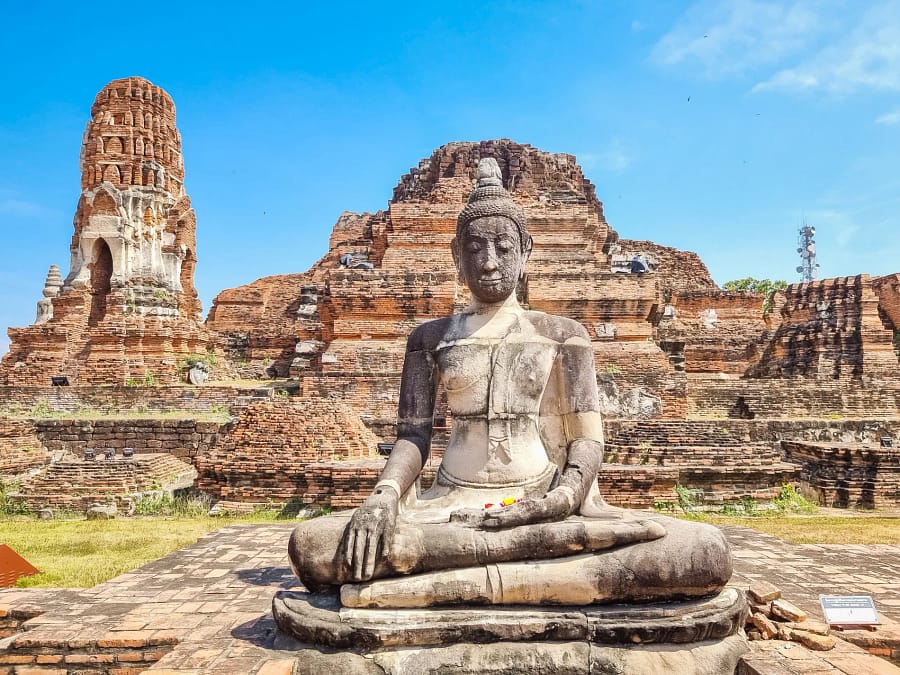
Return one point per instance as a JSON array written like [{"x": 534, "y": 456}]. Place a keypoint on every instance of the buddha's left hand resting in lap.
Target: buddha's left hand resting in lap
[{"x": 522, "y": 392}]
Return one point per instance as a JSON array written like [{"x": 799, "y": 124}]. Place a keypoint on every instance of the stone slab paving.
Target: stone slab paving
[
  {"x": 803, "y": 572},
  {"x": 209, "y": 603}
]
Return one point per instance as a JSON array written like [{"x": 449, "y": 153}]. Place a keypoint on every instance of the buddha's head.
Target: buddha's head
[{"x": 492, "y": 244}]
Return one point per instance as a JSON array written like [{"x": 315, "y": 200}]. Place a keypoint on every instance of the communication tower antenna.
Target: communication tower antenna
[{"x": 806, "y": 247}]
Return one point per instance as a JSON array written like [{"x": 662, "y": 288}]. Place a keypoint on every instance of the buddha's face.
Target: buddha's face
[{"x": 490, "y": 257}]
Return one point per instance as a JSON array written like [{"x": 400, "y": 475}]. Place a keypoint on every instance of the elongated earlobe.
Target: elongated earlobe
[{"x": 454, "y": 249}]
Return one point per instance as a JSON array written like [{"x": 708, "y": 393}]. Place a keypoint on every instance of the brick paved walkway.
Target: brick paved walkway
[{"x": 209, "y": 603}]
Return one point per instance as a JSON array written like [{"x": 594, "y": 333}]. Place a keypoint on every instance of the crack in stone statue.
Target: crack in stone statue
[{"x": 521, "y": 387}]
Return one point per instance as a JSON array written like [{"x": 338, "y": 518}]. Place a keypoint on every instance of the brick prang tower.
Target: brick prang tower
[{"x": 128, "y": 307}]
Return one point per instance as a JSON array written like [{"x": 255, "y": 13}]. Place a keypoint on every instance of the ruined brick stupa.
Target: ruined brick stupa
[{"x": 128, "y": 308}]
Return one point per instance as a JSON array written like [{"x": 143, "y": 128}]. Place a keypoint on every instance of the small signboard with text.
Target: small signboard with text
[{"x": 849, "y": 610}]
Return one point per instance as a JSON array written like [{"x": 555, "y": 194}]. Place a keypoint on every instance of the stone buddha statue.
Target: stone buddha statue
[{"x": 514, "y": 516}]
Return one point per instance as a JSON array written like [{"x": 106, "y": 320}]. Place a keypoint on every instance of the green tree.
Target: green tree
[{"x": 765, "y": 286}]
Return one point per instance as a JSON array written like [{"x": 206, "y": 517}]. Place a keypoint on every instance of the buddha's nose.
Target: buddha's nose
[{"x": 490, "y": 264}]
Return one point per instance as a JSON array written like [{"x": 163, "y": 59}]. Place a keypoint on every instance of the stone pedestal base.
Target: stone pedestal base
[{"x": 690, "y": 637}]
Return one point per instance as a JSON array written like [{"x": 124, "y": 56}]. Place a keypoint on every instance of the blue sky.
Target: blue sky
[{"x": 709, "y": 126}]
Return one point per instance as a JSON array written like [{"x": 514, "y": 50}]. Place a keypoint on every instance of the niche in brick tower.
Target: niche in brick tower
[{"x": 101, "y": 281}]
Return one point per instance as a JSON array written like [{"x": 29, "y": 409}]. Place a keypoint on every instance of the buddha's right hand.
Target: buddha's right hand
[{"x": 370, "y": 532}]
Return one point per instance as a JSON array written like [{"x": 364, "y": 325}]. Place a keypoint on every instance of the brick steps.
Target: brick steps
[
  {"x": 77, "y": 484},
  {"x": 724, "y": 460},
  {"x": 794, "y": 398},
  {"x": 848, "y": 474}
]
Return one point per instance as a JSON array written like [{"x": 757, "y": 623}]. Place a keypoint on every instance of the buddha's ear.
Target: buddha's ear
[
  {"x": 454, "y": 249},
  {"x": 526, "y": 251}
]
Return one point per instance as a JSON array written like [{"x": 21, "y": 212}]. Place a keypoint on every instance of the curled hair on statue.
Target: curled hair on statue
[{"x": 489, "y": 198}]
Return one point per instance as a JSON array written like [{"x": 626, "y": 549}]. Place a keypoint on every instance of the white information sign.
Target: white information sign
[{"x": 849, "y": 610}]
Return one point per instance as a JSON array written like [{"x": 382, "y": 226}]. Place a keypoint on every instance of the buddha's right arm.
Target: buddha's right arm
[{"x": 415, "y": 418}]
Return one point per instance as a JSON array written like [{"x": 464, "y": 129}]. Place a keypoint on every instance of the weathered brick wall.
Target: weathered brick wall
[
  {"x": 681, "y": 272},
  {"x": 727, "y": 461},
  {"x": 848, "y": 474},
  {"x": 887, "y": 288},
  {"x": 831, "y": 328},
  {"x": 721, "y": 331},
  {"x": 182, "y": 438},
  {"x": 355, "y": 331},
  {"x": 36, "y": 652},
  {"x": 637, "y": 487},
  {"x": 20, "y": 448},
  {"x": 847, "y": 397},
  {"x": 37, "y": 400},
  {"x": 270, "y": 453}
]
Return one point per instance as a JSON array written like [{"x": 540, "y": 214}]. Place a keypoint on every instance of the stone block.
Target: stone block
[
  {"x": 762, "y": 591},
  {"x": 820, "y": 643},
  {"x": 767, "y": 629},
  {"x": 788, "y": 611}
]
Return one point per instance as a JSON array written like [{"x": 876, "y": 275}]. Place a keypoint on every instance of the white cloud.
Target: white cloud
[
  {"x": 833, "y": 46},
  {"x": 840, "y": 226},
  {"x": 615, "y": 158},
  {"x": 729, "y": 38},
  {"x": 867, "y": 56},
  {"x": 889, "y": 118},
  {"x": 22, "y": 208}
]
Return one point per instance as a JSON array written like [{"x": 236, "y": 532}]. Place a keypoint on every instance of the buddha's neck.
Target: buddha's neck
[
  {"x": 481, "y": 315},
  {"x": 488, "y": 309}
]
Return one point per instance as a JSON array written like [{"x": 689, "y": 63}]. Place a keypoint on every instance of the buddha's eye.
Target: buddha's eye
[
  {"x": 473, "y": 246},
  {"x": 504, "y": 247}
]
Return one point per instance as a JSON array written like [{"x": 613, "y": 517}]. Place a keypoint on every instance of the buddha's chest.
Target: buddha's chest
[{"x": 495, "y": 377}]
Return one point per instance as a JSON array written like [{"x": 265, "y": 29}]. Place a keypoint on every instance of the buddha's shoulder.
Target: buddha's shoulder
[
  {"x": 557, "y": 328},
  {"x": 427, "y": 335}
]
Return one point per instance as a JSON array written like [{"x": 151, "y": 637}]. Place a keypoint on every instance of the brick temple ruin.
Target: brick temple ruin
[
  {"x": 128, "y": 307},
  {"x": 701, "y": 387}
]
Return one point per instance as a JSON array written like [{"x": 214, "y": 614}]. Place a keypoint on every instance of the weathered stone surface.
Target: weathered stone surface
[
  {"x": 831, "y": 328},
  {"x": 811, "y": 626},
  {"x": 820, "y": 643},
  {"x": 572, "y": 658},
  {"x": 718, "y": 459},
  {"x": 101, "y": 513},
  {"x": 848, "y": 474},
  {"x": 704, "y": 658},
  {"x": 319, "y": 619},
  {"x": 788, "y": 611},
  {"x": 764, "y": 625},
  {"x": 763, "y": 591}
]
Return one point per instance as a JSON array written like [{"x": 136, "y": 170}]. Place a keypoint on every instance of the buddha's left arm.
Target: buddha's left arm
[{"x": 579, "y": 408}]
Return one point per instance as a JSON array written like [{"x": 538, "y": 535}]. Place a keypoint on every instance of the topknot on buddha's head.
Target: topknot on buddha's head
[{"x": 490, "y": 198}]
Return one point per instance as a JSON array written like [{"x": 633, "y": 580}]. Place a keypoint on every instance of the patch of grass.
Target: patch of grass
[
  {"x": 789, "y": 500},
  {"x": 8, "y": 505},
  {"x": 218, "y": 413},
  {"x": 164, "y": 504},
  {"x": 82, "y": 553},
  {"x": 686, "y": 500},
  {"x": 818, "y": 529}
]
